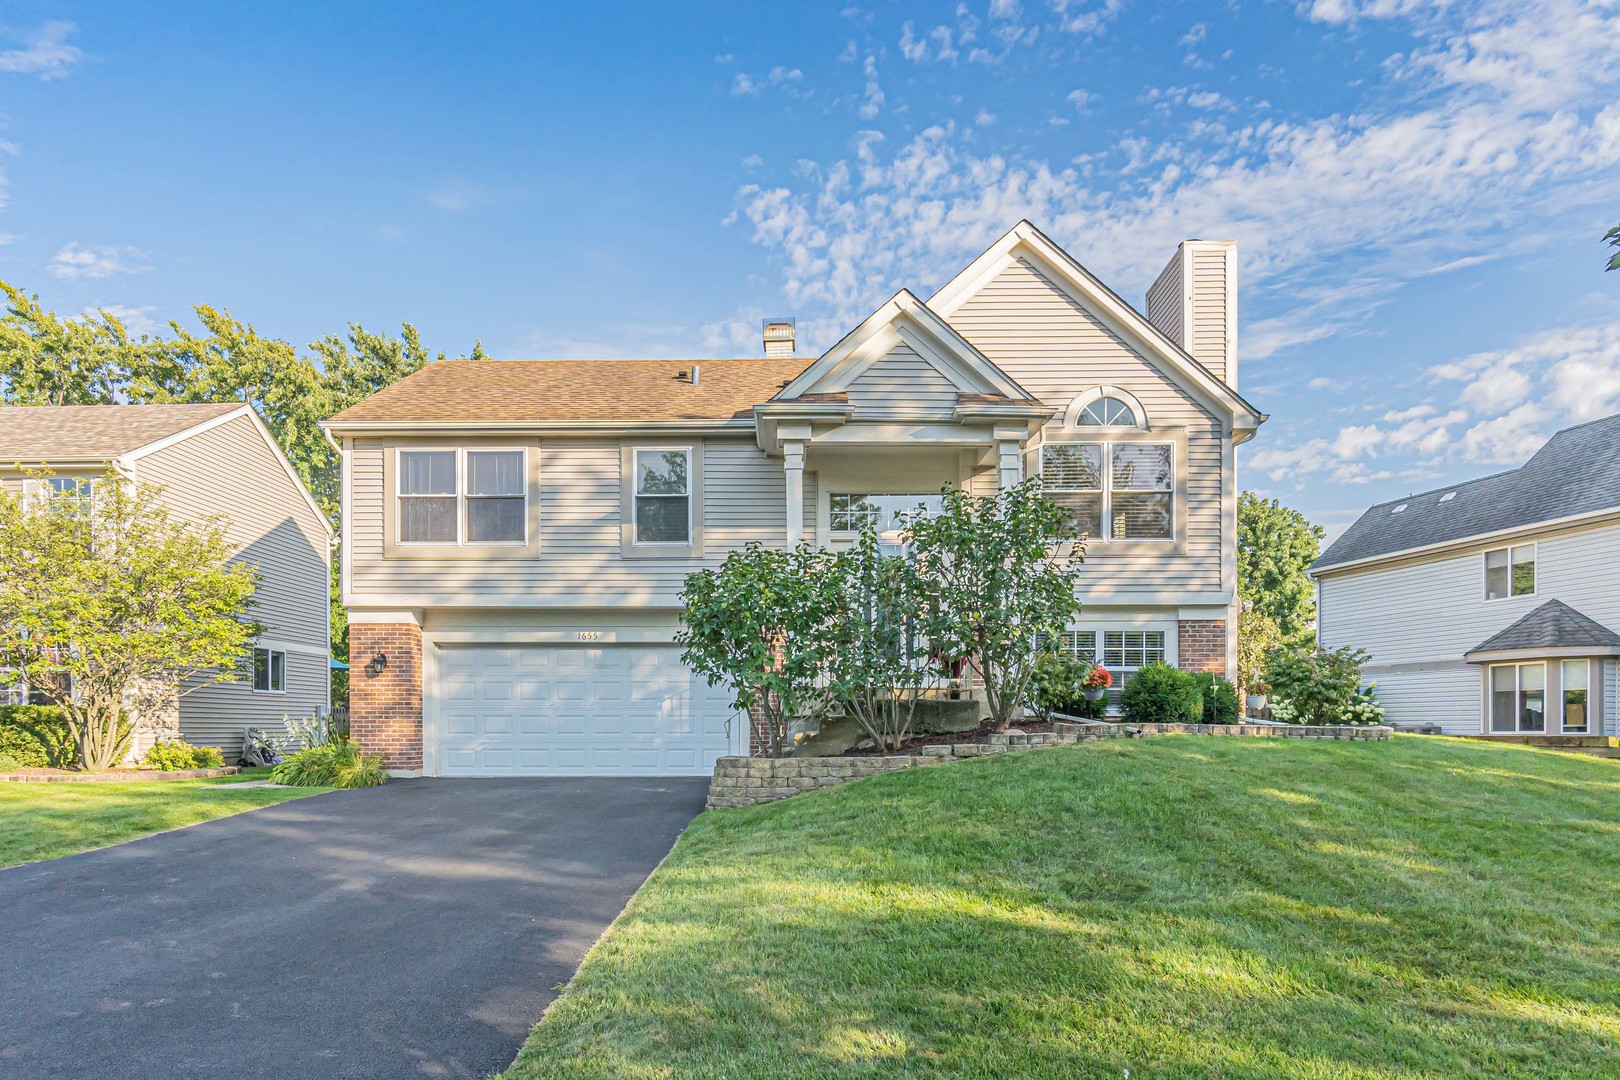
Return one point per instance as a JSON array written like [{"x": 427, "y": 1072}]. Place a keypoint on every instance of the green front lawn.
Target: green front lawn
[
  {"x": 1177, "y": 907},
  {"x": 45, "y": 821}
]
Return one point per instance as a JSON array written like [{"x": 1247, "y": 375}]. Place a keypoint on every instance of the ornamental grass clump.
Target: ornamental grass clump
[{"x": 336, "y": 765}]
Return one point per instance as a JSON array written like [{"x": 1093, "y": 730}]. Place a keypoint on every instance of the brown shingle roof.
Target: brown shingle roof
[
  {"x": 449, "y": 391},
  {"x": 35, "y": 433}
]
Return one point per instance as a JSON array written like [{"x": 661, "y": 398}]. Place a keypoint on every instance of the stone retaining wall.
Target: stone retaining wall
[
  {"x": 742, "y": 781},
  {"x": 115, "y": 776}
]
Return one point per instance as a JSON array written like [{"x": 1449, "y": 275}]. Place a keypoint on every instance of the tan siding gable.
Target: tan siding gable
[
  {"x": 1165, "y": 303},
  {"x": 902, "y": 385},
  {"x": 229, "y": 470}
]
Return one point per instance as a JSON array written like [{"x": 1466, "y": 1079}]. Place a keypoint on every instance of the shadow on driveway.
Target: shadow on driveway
[{"x": 416, "y": 929}]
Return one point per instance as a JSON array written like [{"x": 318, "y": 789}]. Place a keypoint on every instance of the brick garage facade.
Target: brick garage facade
[
  {"x": 1201, "y": 645},
  {"x": 385, "y": 711}
]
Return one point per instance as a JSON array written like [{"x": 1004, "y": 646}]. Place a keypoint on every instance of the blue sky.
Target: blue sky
[{"x": 1418, "y": 189}]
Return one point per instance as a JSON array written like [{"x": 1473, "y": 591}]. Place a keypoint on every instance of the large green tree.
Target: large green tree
[
  {"x": 1612, "y": 238},
  {"x": 106, "y": 602},
  {"x": 1276, "y": 546},
  {"x": 49, "y": 360}
]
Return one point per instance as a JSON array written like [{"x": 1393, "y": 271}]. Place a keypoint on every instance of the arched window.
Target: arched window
[{"x": 1107, "y": 412}]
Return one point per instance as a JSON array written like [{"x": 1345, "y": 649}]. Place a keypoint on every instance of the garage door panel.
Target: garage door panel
[{"x": 538, "y": 710}]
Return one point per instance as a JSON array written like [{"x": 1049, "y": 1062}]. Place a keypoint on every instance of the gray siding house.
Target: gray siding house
[
  {"x": 518, "y": 532},
  {"x": 1492, "y": 606},
  {"x": 212, "y": 460}
]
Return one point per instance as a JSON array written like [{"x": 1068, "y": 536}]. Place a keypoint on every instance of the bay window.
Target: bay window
[
  {"x": 1577, "y": 696},
  {"x": 1519, "y": 697},
  {"x": 1116, "y": 490}
]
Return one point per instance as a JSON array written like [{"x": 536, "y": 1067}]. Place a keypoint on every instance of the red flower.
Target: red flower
[{"x": 1098, "y": 679}]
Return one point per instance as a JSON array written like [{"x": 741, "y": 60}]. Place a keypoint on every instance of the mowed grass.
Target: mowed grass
[
  {"x": 1177, "y": 907},
  {"x": 46, "y": 821}
]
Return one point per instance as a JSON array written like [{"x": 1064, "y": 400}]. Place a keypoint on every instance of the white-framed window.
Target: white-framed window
[
  {"x": 663, "y": 496},
  {"x": 1519, "y": 697},
  {"x": 269, "y": 671},
  {"x": 1510, "y": 571},
  {"x": 13, "y": 688},
  {"x": 1107, "y": 412},
  {"x": 1116, "y": 490},
  {"x": 1122, "y": 652},
  {"x": 1575, "y": 716},
  {"x": 457, "y": 497},
  {"x": 850, "y": 513}
]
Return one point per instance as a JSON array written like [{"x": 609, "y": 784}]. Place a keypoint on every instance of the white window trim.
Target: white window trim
[
  {"x": 1100, "y": 632},
  {"x": 1485, "y": 580},
  {"x": 1563, "y": 705},
  {"x": 635, "y": 516},
  {"x": 1071, "y": 415},
  {"x": 1107, "y": 492},
  {"x": 1518, "y": 690},
  {"x": 270, "y": 668},
  {"x": 461, "y": 496}
]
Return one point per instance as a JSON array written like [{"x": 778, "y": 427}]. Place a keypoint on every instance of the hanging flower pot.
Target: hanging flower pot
[{"x": 1094, "y": 687}]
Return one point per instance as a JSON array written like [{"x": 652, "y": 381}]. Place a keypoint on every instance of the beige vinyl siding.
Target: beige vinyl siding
[
  {"x": 217, "y": 714},
  {"x": 902, "y": 385},
  {"x": 1166, "y": 301},
  {"x": 744, "y": 499},
  {"x": 1209, "y": 299},
  {"x": 230, "y": 471},
  {"x": 1056, "y": 349}
]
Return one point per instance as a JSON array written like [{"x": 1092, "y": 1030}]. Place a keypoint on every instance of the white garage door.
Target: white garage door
[{"x": 566, "y": 710}]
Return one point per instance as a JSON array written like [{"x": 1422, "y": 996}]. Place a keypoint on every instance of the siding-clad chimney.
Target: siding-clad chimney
[
  {"x": 779, "y": 337},
  {"x": 1194, "y": 301}
]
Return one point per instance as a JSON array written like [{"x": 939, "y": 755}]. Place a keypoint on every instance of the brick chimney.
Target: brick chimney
[
  {"x": 779, "y": 337},
  {"x": 1194, "y": 301}
]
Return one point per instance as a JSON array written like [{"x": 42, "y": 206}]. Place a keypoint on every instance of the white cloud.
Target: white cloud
[
  {"x": 45, "y": 53},
  {"x": 1572, "y": 372},
  {"x": 984, "y": 118},
  {"x": 1086, "y": 18},
  {"x": 873, "y": 103},
  {"x": 1195, "y": 33},
  {"x": 1080, "y": 99},
  {"x": 77, "y": 262}
]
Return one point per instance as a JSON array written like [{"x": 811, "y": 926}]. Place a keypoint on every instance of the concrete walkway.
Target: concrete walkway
[{"x": 416, "y": 929}]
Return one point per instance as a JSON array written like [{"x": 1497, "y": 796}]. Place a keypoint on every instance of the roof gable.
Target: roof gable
[
  {"x": 1576, "y": 473},
  {"x": 36, "y": 434},
  {"x": 1025, "y": 241},
  {"x": 1553, "y": 625},
  {"x": 904, "y": 322}
]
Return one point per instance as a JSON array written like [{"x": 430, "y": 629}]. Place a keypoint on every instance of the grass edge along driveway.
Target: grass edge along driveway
[
  {"x": 47, "y": 821},
  {"x": 1178, "y": 907}
]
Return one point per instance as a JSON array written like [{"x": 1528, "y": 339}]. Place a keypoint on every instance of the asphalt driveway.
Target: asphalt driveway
[{"x": 416, "y": 929}]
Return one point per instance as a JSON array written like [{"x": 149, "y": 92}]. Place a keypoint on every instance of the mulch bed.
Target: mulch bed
[
  {"x": 69, "y": 776},
  {"x": 913, "y": 746}
]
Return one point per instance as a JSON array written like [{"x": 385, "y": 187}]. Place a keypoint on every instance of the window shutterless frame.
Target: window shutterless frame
[
  {"x": 1575, "y": 697},
  {"x": 460, "y": 495},
  {"x": 1508, "y": 569},
  {"x": 637, "y": 495},
  {"x": 1112, "y": 491},
  {"x": 269, "y": 671}
]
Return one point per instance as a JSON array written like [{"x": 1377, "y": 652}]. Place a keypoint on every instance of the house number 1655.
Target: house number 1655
[{"x": 589, "y": 635}]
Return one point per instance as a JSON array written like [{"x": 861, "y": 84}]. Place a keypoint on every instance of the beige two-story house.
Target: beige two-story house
[
  {"x": 212, "y": 461},
  {"x": 519, "y": 531}
]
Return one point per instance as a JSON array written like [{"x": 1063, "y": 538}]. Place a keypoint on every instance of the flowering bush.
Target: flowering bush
[
  {"x": 1097, "y": 678},
  {"x": 1364, "y": 707}
]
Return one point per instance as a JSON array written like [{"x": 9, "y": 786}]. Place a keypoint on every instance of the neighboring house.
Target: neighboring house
[
  {"x": 1491, "y": 606},
  {"x": 211, "y": 460},
  {"x": 518, "y": 532}
]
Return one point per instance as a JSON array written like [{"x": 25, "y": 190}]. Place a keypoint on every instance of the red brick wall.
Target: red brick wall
[
  {"x": 385, "y": 711},
  {"x": 1201, "y": 645}
]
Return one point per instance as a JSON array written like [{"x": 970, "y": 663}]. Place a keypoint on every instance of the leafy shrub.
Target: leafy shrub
[
  {"x": 1054, "y": 685},
  {"x": 1161, "y": 694},
  {"x": 37, "y": 736},
  {"x": 9, "y": 762},
  {"x": 336, "y": 764},
  {"x": 1320, "y": 685},
  {"x": 177, "y": 755},
  {"x": 1220, "y": 699},
  {"x": 1365, "y": 709}
]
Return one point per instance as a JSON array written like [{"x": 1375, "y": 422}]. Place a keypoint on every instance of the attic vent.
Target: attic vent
[
  {"x": 1401, "y": 509},
  {"x": 1448, "y": 496}
]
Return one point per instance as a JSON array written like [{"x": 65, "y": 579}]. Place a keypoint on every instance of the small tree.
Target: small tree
[
  {"x": 1319, "y": 686},
  {"x": 1258, "y": 638},
  {"x": 877, "y": 659},
  {"x": 1004, "y": 570},
  {"x": 104, "y": 598},
  {"x": 1275, "y": 549},
  {"x": 757, "y": 625}
]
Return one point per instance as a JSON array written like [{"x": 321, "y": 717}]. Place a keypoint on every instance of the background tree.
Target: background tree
[
  {"x": 1276, "y": 547},
  {"x": 46, "y": 360},
  {"x": 757, "y": 625},
  {"x": 126, "y": 603},
  {"x": 1258, "y": 637},
  {"x": 1612, "y": 238},
  {"x": 1004, "y": 571}
]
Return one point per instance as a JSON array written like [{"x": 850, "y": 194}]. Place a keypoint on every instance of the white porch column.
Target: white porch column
[
  {"x": 1009, "y": 457},
  {"x": 793, "y": 467}
]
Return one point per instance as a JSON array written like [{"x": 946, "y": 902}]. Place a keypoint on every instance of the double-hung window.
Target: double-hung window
[
  {"x": 459, "y": 497},
  {"x": 1519, "y": 697},
  {"x": 1510, "y": 571},
  {"x": 1117, "y": 490},
  {"x": 269, "y": 671},
  {"x": 1577, "y": 692},
  {"x": 663, "y": 496}
]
